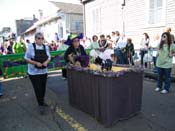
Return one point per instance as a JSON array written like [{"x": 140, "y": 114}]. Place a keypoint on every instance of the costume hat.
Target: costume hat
[{"x": 71, "y": 37}]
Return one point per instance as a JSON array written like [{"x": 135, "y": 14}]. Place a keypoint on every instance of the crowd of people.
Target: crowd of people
[
  {"x": 117, "y": 49},
  {"x": 19, "y": 45},
  {"x": 120, "y": 50}
]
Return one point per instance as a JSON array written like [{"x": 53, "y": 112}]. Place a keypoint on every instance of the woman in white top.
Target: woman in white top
[
  {"x": 144, "y": 47},
  {"x": 38, "y": 57},
  {"x": 155, "y": 46}
]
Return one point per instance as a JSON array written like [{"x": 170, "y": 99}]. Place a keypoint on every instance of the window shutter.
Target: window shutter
[
  {"x": 151, "y": 11},
  {"x": 155, "y": 11},
  {"x": 159, "y": 11}
]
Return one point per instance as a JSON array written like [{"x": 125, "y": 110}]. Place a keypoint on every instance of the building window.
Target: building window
[
  {"x": 60, "y": 31},
  {"x": 156, "y": 11},
  {"x": 77, "y": 26},
  {"x": 96, "y": 20}
]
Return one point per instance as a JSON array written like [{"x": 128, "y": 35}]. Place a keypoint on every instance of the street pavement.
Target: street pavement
[{"x": 19, "y": 112}]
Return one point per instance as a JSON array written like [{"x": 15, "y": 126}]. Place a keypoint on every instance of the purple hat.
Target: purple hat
[{"x": 71, "y": 37}]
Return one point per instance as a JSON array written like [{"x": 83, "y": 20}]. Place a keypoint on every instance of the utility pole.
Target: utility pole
[{"x": 123, "y": 22}]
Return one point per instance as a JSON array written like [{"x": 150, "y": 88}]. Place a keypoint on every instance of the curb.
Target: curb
[{"x": 153, "y": 75}]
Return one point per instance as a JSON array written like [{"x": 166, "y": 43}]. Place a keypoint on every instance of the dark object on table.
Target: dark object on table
[
  {"x": 105, "y": 64},
  {"x": 83, "y": 59}
]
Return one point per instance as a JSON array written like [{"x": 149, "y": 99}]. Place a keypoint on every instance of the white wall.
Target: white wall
[
  {"x": 135, "y": 18},
  {"x": 111, "y": 13}
]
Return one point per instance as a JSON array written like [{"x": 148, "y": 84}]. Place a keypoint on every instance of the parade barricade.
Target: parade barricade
[{"x": 14, "y": 65}]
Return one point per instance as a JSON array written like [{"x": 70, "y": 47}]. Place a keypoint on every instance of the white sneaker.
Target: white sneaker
[
  {"x": 164, "y": 91},
  {"x": 157, "y": 89}
]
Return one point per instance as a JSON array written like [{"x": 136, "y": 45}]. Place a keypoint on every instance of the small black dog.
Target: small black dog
[{"x": 105, "y": 64}]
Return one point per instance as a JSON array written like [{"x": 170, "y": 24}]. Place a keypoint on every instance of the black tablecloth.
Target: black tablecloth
[{"x": 108, "y": 99}]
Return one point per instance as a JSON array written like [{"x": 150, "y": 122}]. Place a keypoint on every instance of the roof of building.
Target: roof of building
[
  {"x": 40, "y": 22},
  {"x": 86, "y": 1},
  {"x": 63, "y": 7},
  {"x": 68, "y": 7}
]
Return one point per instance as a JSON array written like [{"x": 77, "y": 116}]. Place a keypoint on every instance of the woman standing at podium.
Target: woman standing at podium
[{"x": 74, "y": 50}]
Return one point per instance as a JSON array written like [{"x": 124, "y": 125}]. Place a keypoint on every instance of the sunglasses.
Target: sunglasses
[
  {"x": 40, "y": 38},
  {"x": 76, "y": 40},
  {"x": 164, "y": 36}
]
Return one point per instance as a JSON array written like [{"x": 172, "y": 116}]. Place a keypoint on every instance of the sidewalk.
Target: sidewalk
[{"x": 150, "y": 74}]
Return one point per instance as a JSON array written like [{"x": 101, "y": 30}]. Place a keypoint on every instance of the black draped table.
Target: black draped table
[{"x": 108, "y": 99}]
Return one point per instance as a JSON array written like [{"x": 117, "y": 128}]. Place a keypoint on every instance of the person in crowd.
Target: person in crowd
[
  {"x": 62, "y": 45},
  {"x": 117, "y": 33},
  {"x": 10, "y": 46},
  {"x": 154, "y": 45},
  {"x": 94, "y": 43},
  {"x": 1, "y": 50},
  {"x": 53, "y": 46},
  {"x": 102, "y": 42},
  {"x": 144, "y": 47},
  {"x": 113, "y": 36},
  {"x": 108, "y": 37},
  {"x": 4, "y": 48},
  {"x": 120, "y": 50},
  {"x": 94, "y": 53},
  {"x": 74, "y": 52},
  {"x": 19, "y": 46},
  {"x": 130, "y": 51},
  {"x": 56, "y": 37},
  {"x": 106, "y": 58},
  {"x": 168, "y": 29},
  {"x": 164, "y": 63},
  {"x": 85, "y": 42},
  {"x": 109, "y": 52},
  {"x": 38, "y": 57}
]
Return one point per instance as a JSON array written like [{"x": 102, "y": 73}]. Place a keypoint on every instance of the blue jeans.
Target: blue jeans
[
  {"x": 120, "y": 57},
  {"x": 0, "y": 88},
  {"x": 154, "y": 61},
  {"x": 164, "y": 74},
  {"x": 142, "y": 54}
]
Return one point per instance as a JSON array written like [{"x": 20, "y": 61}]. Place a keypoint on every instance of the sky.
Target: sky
[{"x": 10, "y": 10}]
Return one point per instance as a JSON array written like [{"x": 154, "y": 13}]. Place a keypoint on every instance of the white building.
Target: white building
[
  {"x": 136, "y": 17},
  {"x": 68, "y": 18}
]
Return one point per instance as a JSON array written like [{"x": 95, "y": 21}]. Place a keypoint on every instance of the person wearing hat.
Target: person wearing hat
[{"x": 74, "y": 51}]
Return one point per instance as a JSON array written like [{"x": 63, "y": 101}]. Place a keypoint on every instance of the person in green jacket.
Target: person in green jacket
[
  {"x": 19, "y": 46},
  {"x": 164, "y": 62}
]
